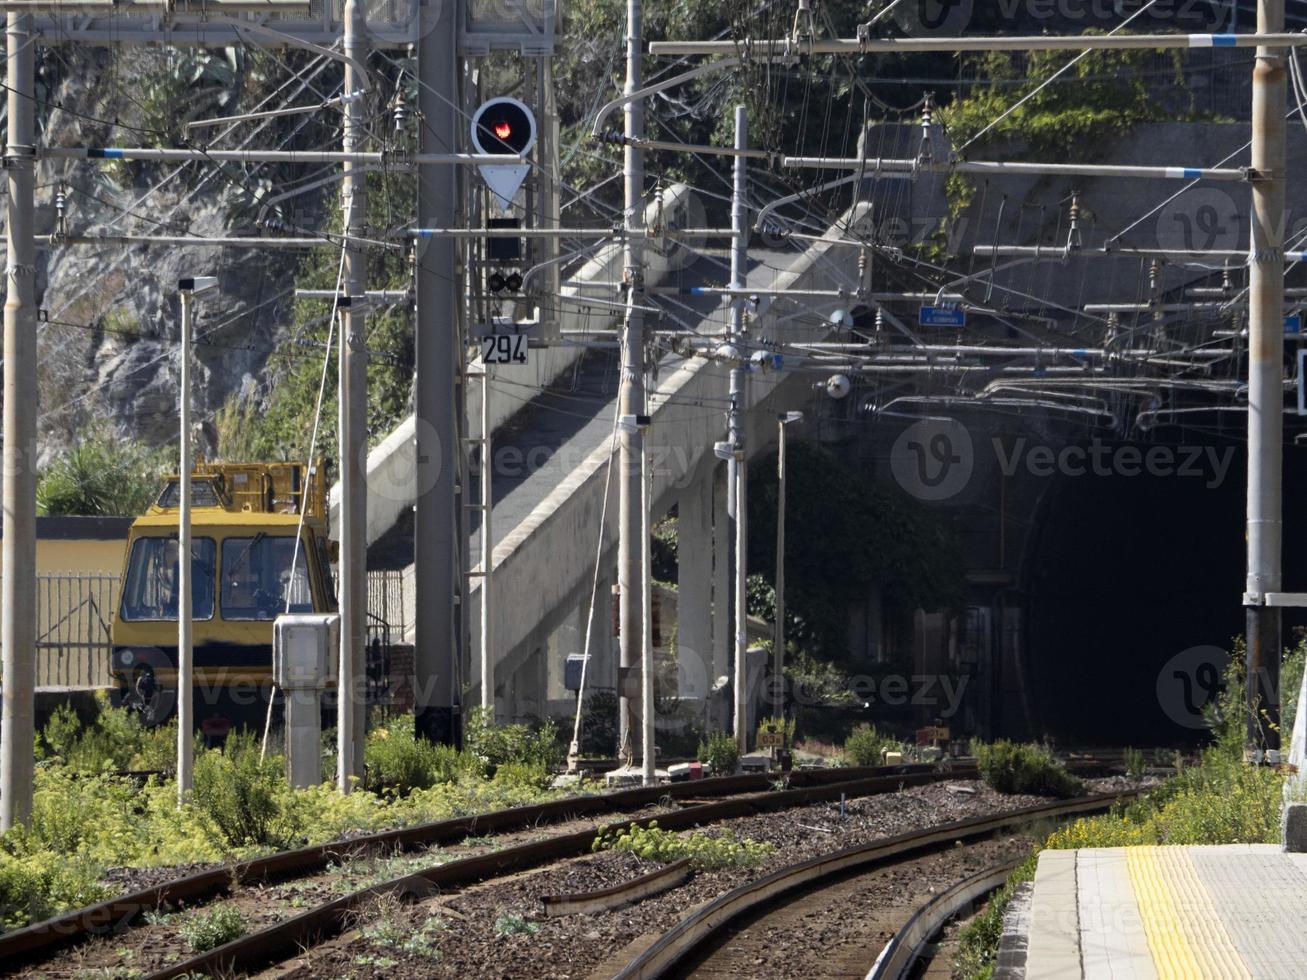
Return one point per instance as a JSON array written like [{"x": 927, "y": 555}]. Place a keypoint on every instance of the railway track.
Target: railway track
[
  {"x": 748, "y": 926},
  {"x": 701, "y": 802}
]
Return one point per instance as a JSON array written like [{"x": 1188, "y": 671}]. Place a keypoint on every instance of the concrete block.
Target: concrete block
[{"x": 1293, "y": 828}]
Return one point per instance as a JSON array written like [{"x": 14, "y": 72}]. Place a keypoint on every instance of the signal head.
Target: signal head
[{"x": 503, "y": 127}]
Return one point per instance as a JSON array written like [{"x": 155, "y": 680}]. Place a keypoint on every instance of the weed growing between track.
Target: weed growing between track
[{"x": 87, "y": 819}]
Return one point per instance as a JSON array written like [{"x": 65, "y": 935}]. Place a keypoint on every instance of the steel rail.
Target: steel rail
[
  {"x": 43, "y": 939},
  {"x": 692, "y": 933},
  {"x": 615, "y": 896},
  {"x": 903, "y": 951},
  {"x": 290, "y": 936}
]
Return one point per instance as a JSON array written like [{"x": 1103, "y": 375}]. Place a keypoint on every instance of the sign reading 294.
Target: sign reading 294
[{"x": 504, "y": 349}]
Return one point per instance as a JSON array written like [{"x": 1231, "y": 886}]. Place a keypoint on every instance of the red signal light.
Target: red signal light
[{"x": 503, "y": 129}]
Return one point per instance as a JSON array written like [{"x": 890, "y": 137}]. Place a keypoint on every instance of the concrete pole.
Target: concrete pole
[
  {"x": 1265, "y": 391},
  {"x": 778, "y": 653},
  {"x": 694, "y": 593},
  {"x": 648, "y": 752},
  {"x": 18, "y": 564},
  {"x": 438, "y": 552},
  {"x": 303, "y": 736},
  {"x": 722, "y": 588},
  {"x": 738, "y": 467},
  {"x": 351, "y": 719},
  {"x": 487, "y": 549},
  {"x": 631, "y": 544},
  {"x": 185, "y": 652}
]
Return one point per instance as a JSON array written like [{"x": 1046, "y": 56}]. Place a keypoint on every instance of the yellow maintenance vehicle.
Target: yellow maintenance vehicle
[{"x": 259, "y": 548}]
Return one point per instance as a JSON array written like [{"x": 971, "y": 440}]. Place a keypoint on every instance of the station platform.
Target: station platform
[{"x": 1168, "y": 913}]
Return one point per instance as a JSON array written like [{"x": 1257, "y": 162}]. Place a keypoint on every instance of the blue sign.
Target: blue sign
[
  {"x": 1293, "y": 324},
  {"x": 942, "y": 316}
]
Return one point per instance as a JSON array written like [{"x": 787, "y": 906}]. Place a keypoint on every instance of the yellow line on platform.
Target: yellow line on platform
[{"x": 1185, "y": 936}]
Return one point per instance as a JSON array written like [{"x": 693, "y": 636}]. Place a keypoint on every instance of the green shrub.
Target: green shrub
[
  {"x": 514, "y": 925},
  {"x": 978, "y": 941},
  {"x": 213, "y": 927},
  {"x": 240, "y": 794},
  {"x": 1010, "y": 767},
  {"x": 1134, "y": 763},
  {"x": 498, "y": 745},
  {"x": 101, "y": 476},
  {"x": 524, "y": 776},
  {"x": 398, "y": 762},
  {"x": 114, "y": 740},
  {"x": 864, "y": 746},
  {"x": 721, "y": 752},
  {"x": 724, "y": 850},
  {"x": 36, "y": 886}
]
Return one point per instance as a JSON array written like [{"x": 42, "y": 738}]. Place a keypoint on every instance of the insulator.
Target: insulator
[
  {"x": 1073, "y": 238},
  {"x": 1227, "y": 282},
  {"x": 927, "y": 152},
  {"x": 401, "y": 114},
  {"x": 613, "y": 136},
  {"x": 659, "y": 216},
  {"x": 61, "y": 208}
]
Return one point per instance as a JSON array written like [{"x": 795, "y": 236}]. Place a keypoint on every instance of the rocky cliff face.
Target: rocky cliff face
[{"x": 108, "y": 343}]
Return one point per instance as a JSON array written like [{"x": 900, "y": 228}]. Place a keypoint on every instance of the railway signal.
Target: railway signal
[{"x": 504, "y": 127}]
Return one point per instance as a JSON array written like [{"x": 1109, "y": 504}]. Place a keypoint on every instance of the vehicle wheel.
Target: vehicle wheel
[{"x": 149, "y": 699}]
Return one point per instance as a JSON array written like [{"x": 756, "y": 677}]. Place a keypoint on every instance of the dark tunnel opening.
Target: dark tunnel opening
[{"x": 1133, "y": 584}]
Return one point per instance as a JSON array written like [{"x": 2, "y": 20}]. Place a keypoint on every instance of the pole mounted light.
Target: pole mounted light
[
  {"x": 783, "y": 420},
  {"x": 189, "y": 288}
]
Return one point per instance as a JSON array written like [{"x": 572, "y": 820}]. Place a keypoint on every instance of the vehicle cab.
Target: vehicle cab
[{"x": 254, "y": 556}]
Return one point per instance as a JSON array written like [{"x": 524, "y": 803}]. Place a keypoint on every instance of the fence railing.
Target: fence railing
[
  {"x": 73, "y": 645},
  {"x": 74, "y": 613}
]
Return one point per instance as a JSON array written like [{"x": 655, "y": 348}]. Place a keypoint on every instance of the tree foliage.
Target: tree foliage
[
  {"x": 102, "y": 476},
  {"x": 845, "y": 535},
  {"x": 278, "y": 424}
]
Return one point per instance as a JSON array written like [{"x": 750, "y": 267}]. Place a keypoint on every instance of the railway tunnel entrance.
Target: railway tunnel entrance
[{"x": 1132, "y": 581}]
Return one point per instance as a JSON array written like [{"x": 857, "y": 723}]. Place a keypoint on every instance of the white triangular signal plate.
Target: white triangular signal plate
[{"x": 504, "y": 180}]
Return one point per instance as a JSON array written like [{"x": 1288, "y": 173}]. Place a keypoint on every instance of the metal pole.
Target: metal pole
[
  {"x": 916, "y": 45},
  {"x": 631, "y": 544},
  {"x": 487, "y": 548},
  {"x": 18, "y": 565},
  {"x": 185, "y": 655},
  {"x": 737, "y": 504},
  {"x": 167, "y": 155},
  {"x": 438, "y": 549},
  {"x": 1265, "y": 391},
  {"x": 778, "y": 653},
  {"x": 549, "y": 204},
  {"x": 874, "y": 165},
  {"x": 351, "y": 719}
]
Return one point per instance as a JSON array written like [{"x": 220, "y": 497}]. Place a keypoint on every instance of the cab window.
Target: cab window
[
  {"x": 256, "y": 578},
  {"x": 151, "y": 588},
  {"x": 203, "y": 494}
]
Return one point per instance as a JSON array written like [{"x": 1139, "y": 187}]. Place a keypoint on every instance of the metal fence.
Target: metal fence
[
  {"x": 73, "y": 613},
  {"x": 387, "y": 615}
]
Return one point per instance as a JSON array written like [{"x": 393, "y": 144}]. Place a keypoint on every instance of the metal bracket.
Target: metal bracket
[{"x": 1284, "y": 599}]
